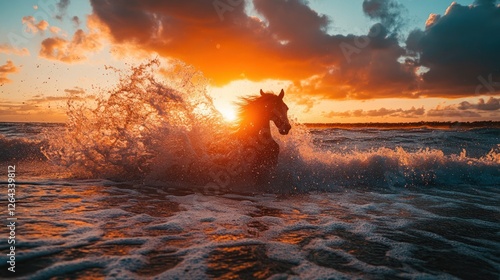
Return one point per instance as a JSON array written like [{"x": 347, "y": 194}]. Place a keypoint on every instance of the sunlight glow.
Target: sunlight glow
[{"x": 228, "y": 113}]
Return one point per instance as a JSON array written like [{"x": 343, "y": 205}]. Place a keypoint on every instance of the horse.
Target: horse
[
  {"x": 244, "y": 157},
  {"x": 254, "y": 132}
]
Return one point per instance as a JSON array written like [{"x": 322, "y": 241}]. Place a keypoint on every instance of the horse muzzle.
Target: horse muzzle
[{"x": 285, "y": 130}]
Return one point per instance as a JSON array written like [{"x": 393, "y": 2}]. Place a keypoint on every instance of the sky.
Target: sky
[{"x": 338, "y": 61}]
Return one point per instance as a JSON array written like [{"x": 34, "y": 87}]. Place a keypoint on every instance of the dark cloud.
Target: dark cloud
[
  {"x": 62, "y": 7},
  {"x": 413, "y": 41},
  {"x": 6, "y": 69},
  {"x": 291, "y": 42},
  {"x": 293, "y": 22},
  {"x": 460, "y": 49},
  {"x": 387, "y": 11},
  {"x": 76, "y": 21},
  {"x": 485, "y": 2},
  {"x": 492, "y": 104},
  {"x": 368, "y": 70}
]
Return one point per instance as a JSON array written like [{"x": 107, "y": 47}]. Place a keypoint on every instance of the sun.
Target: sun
[{"x": 228, "y": 113}]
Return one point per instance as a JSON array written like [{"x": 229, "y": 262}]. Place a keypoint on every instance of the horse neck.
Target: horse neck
[{"x": 256, "y": 128}]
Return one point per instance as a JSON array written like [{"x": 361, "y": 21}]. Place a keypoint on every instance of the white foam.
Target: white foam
[{"x": 334, "y": 226}]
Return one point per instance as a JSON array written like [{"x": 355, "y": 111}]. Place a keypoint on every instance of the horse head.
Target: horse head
[{"x": 277, "y": 111}]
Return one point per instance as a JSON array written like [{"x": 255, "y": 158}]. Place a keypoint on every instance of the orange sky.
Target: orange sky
[{"x": 443, "y": 68}]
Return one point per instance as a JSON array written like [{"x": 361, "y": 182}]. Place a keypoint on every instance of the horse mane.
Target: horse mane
[{"x": 249, "y": 106}]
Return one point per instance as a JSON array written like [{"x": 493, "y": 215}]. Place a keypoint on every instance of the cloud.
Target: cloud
[
  {"x": 32, "y": 26},
  {"x": 54, "y": 29},
  {"x": 239, "y": 46},
  {"x": 452, "y": 112},
  {"x": 467, "y": 109},
  {"x": 74, "y": 50},
  {"x": 387, "y": 11},
  {"x": 76, "y": 21},
  {"x": 59, "y": 49},
  {"x": 382, "y": 112},
  {"x": 62, "y": 7},
  {"x": 372, "y": 70},
  {"x": 7, "y": 68},
  {"x": 431, "y": 20},
  {"x": 46, "y": 99},
  {"x": 458, "y": 49},
  {"x": 8, "y": 49},
  {"x": 485, "y": 2},
  {"x": 290, "y": 43},
  {"x": 456, "y": 112},
  {"x": 16, "y": 111},
  {"x": 492, "y": 104},
  {"x": 41, "y": 107},
  {"x": 303, "y": 100},
  {"x": 75, "y": 91}
]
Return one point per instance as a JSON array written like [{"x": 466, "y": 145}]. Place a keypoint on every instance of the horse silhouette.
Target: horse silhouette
[
  {"x": 246, "y": 157},
  {"x": 254, "y": 132}
]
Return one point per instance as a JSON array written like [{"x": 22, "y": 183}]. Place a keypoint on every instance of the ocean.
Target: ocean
[{"x": 348, "y": 203}]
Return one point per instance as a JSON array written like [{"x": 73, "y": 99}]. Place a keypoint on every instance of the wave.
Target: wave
[
  {"x": 141, "y": 126},
  {"x": 20, "y": 148},
  {"x": 160, "y": 125},
  {"x": 390, "y": 168}
]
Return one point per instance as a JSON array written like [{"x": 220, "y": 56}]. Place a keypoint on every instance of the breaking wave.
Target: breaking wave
[{"x": 159, "y": 124}]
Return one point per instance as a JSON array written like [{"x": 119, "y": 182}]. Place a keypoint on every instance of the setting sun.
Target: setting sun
[{"x": 228, "y": 113}]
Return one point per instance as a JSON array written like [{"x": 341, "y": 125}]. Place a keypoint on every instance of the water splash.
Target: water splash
[
  {"x": 159, "y": 124},
  {"x": 138, "y": 123}
]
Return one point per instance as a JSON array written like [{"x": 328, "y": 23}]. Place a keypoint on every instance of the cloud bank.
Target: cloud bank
[
  {"x": 453, "y": 55},
  {"x": 460, "y": 50}
]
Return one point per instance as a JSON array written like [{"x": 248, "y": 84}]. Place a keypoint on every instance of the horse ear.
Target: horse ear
[
  {"x": 261, "y": 92},
  {"x": 282, "y": 94}
]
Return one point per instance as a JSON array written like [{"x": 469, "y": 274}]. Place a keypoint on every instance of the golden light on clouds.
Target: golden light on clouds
[{"x": 269, "y": 45}]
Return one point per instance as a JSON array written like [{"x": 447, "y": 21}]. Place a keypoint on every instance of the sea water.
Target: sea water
[{"x": 94, "y": 197}]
